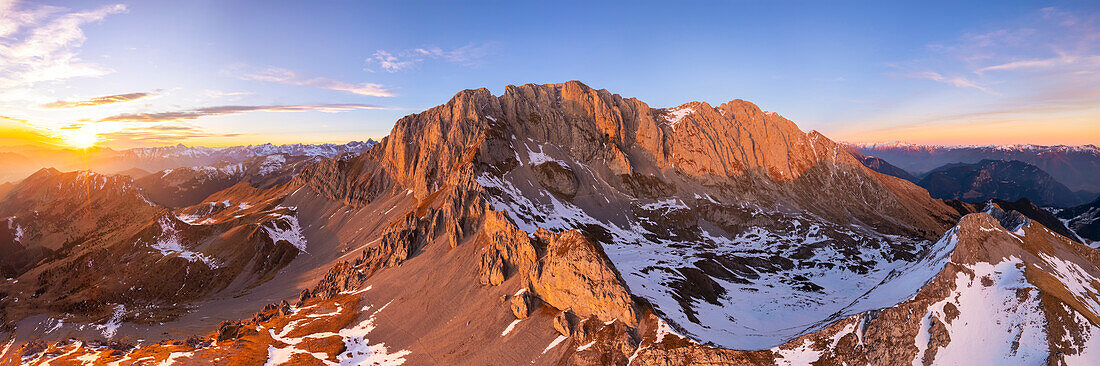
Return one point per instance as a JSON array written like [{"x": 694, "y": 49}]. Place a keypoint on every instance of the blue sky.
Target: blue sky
[{"x": 220, "y": 73}]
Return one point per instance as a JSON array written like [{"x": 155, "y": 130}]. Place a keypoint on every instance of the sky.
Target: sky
[{"x": 217, "y": 73}]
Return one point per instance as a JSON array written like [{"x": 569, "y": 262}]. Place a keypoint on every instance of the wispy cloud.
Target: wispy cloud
[
  {"x": 215, "y": 94},
  {"x": 227, "y": 110},
  {"x": 468, "y": 55},
  {"x": 40, "y": 43},
  {"x": 162, "y": 134},
  {"x": 391, "y": 63},
  {"x": 109, "y": 99},
  {"x": 14, "y": 119},
  {"x": 284, "y": 76},
  {"x": 957, "y": 81},
  {"x": 1087, "y": 62}
]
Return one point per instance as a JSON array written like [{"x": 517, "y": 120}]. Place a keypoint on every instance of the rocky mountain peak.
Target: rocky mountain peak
[{"x": 594, "y": 123}]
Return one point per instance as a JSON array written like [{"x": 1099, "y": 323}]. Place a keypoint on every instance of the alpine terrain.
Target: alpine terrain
[{"x": 551, "y": 224}]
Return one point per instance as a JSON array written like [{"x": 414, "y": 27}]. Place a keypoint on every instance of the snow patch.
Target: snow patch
[
  {"x": 170, "y": 243},
  {"x": 171, "y": 360},
  {"x": 286, "y": 227},
  {"x": 1078, "y": 281},
  {"x": 510, "y": 327},
  {"x": 667, "y": 204},
  {"x": 804, "y": 354},
  {"x": 663, "y": 329},
  {"x": 1088, "y": 349},
  {"x": 110, "y": 328},
  {"x": 15, "y": 229},
  {"x": 676, "y": 114},
  {"x": 554, "y": 343},
  {"x": 360, "y": 352},
  {"x": 1002, "y": 323},
  {"x": 271, "y": 163},
  {"x": 586, "y": 346},
  {"x": 536, "y": 158}
]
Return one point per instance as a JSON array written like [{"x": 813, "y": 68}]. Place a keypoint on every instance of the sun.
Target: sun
[{"x": 81, "y": 139}]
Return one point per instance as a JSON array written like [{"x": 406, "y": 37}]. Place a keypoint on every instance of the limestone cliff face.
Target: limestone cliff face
[
  {"x": 694, "y": 138},
  {"x": 752, "y": 155},
  {"x": 738, "y": 136}
]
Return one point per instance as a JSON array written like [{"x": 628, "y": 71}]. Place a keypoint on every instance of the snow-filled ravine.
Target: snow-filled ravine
[
  {"x": 771, "y": 297},
  {"x": 169, "y": 243}
]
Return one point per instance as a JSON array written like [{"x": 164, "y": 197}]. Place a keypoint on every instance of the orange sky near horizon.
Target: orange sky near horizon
[{"x": 1076, "y": 132}]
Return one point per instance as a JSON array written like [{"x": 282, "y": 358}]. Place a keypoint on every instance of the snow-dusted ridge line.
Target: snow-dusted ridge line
[
  {"x": 1011, "y": 147},
  {"x": 246, "y": 151}
]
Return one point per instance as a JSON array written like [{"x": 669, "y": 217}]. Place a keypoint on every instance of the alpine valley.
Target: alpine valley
[{"x": 551, "y": 224}]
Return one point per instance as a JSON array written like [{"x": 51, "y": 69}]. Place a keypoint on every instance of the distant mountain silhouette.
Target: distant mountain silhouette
[
  {"x": 1078, "y": 167},
  {"x": 997, "y": 179}
]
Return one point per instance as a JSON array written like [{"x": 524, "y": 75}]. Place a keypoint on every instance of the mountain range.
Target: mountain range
[
  {"x": 1078, "y": 167},
  {"x": 18, "y": 162},
  {"x": 551, "y": 224},
  {"x": 997, "y": 179}
]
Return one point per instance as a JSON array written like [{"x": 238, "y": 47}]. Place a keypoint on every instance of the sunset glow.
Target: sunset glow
[{"x": 81, "y": 139}]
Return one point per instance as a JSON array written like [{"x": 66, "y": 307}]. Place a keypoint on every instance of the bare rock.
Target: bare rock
[
  {"x": 617, "y": 161},
  {"x": 565, "y": 323},
  {"x": 522, "y": 304},
  {"x": 575, "y": 274},
  {"x": 491, "y": 268},
  {"x": 228, "y": 330},
  {"x": 557, "y": 178},
  {"x": 507, "y": 250}
]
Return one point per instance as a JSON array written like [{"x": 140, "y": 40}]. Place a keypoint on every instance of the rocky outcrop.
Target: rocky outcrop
[
  {"x": 446, "y": 217},
  {"x": 523, "y": 304},
  {"x": 572, "y": 273},
  {"x": 557, "y": 178},
  {"x": 1043, "y": 217},
  {"x": 576, "y": 275},
  {"x": 507, "y": 250}
]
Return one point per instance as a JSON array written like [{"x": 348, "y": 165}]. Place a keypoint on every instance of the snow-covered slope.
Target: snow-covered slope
[{"x": 1015, "y": 294}]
